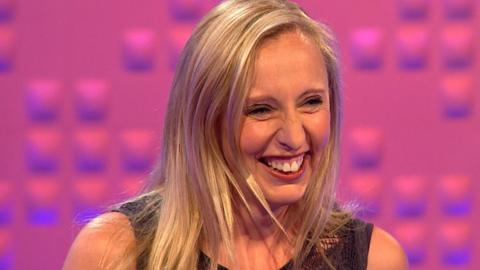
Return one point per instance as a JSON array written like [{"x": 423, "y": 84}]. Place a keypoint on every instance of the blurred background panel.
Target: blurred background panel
[{"x": 84, "y": 85}]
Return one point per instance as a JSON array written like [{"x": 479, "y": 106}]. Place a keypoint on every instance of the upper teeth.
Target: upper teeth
[{"x": 291, "y": 165}]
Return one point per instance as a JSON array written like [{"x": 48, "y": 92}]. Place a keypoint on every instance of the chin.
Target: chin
[
  {"x": 281, "y": 192},
  {"x": 284, "y": 196}
]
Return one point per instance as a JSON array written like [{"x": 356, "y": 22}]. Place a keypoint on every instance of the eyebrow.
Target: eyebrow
[
  {"x": 269, "y": 98},
  {"x": 314, "y": 91}
]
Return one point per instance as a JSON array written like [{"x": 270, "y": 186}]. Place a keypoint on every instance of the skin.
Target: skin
[
  {"x": 287, "y": 69},
  {"x": 287, "y": 114}
]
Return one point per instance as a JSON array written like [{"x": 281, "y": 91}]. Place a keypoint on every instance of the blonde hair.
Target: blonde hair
[{"x": 198, "y": 174}]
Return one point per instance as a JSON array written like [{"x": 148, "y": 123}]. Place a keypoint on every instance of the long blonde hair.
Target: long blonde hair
[{"x": 199, "y": 169}]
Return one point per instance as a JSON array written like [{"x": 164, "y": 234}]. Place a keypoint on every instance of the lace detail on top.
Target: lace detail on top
[{"x": 346, "y": 250}]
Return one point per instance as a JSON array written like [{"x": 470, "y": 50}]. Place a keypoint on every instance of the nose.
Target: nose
[{"x": 291, "y": 135}]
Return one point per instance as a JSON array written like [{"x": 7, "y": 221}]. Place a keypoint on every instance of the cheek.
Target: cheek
[
  {"x": 254, "y": 137},
  {"x": 318, "y": 127}
]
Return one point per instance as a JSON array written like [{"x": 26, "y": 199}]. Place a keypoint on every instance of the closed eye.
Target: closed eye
[
  {"x": 258, "y": 111},
  {"x": 314, "y": 101}
]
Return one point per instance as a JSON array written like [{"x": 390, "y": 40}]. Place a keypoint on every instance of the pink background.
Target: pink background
[{"x": 84, "y": 84}]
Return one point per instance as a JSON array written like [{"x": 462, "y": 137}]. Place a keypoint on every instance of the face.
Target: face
[{"x": 286, "y": 122}]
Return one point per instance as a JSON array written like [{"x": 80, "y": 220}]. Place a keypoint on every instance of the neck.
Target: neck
[
  {"x": 258, "y": 225},
  {"x": 257, "y": 238}
]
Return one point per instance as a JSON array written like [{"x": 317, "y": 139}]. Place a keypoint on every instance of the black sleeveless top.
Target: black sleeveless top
[{"x": 349, "y": 251}]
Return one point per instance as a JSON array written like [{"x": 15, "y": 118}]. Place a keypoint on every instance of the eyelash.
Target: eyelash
[
  {"x": 260, "y": 109},
  {"x": 314, "y": 101}
]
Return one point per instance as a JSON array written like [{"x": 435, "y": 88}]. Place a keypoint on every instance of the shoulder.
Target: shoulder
[
  {"x": 385, "y": 252},
  {"x": 101, "y": 242}
]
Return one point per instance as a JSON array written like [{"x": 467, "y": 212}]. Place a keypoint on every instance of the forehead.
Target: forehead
[{"x": 290, "y": 60}]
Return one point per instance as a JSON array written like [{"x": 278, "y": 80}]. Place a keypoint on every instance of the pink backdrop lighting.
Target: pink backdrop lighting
[{"x": 84, "y": 85}]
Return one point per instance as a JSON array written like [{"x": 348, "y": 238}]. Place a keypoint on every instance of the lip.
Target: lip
[
  {"x": 285, "y": 157},
  {"x": 287, "y": 177}
]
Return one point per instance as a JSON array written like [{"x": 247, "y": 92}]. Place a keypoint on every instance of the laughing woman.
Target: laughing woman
[{"x": 247, "y": 173}]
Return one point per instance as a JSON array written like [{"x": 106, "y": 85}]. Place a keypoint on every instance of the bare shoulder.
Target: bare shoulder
[
  {"x": 385, "y": 252},
  {"x": 101, "y": 242}
]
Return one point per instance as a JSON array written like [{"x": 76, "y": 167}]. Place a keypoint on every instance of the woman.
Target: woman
[{"x": 246, "y": 178}]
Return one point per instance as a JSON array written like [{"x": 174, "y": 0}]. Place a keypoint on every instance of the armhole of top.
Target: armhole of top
[
  {"x": 141, "y": 212},
  {"x": 354, "y": 251},
  {"x": 363, "y": 237},
  {"x": 129, "y": 209},
  {"x": 368, "y": 234}
]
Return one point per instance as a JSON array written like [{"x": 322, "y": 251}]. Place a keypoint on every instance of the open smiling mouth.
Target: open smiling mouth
[{"x": 285, "y": 168}]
